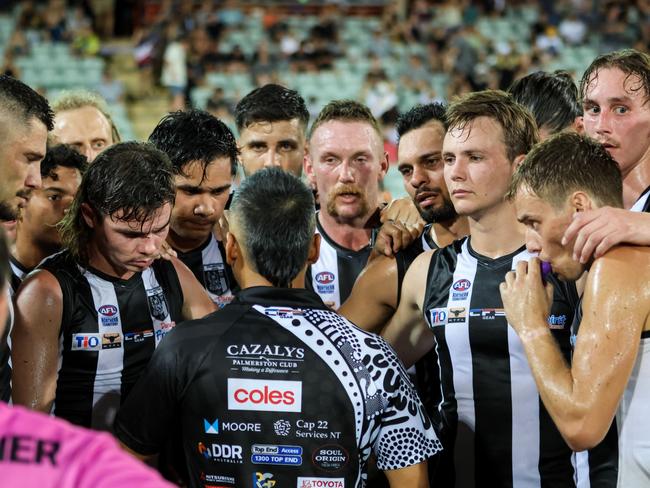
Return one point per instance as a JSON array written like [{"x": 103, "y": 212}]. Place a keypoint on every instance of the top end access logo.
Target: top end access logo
[{"x": 264, "y": 395}]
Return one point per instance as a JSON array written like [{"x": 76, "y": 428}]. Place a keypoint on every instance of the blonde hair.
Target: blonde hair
[{"x": 74, "y": 99}]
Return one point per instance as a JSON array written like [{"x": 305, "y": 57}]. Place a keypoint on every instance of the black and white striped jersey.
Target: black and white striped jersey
[
  {"x": 643, "y": 202},
  {"x": 109, "y": 330},
  {"x": 486, "y": 382},
  {"x": 18, "y": 272},
  {"x": 333, "y": 275},
  {"x": 209, "y": 265},
  {"x": 275, "y": 386}
]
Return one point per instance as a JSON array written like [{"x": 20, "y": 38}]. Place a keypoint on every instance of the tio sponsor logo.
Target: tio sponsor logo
[
  {"x": 325, "y": 278},
  {"x": 216, "y": 427},
  {"x": 438, "y": 316},
  {"x": 320, "y": 482},
  {"x": 96, "y": 342},
  {"x": 264, "y": 395}
]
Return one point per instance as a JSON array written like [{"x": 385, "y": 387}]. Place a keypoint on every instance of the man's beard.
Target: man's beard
[
  {"x": 349, "y": 190},
  {"x": 8, "y": 212},
  {"x": 440, "y": 213}
]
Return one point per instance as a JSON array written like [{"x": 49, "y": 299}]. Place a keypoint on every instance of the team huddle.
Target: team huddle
[{"x": 293, "y": 329}]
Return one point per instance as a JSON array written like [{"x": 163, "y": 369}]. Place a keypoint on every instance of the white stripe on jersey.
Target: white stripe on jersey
[
  {"x": 215, "y": 269},
  {"x": 640, "y": 203},
  {"x": 324, "y": 274},
  {"x": 525, "y": 414},
  {"x": 634, "y": 424},
  {"x": 158, "y": 306},
  {"x": 110, "y": 361},
  {"x": 460, "y": 350}
]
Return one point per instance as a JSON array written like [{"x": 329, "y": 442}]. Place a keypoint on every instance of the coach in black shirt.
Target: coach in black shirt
[{"x": 276, "y": 386}]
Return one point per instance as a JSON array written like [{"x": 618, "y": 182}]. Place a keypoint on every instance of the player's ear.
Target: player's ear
[
  {"x": 580, "y": 201},
  {"x": 88, "y": 214},
  {"x": 517, "y": 162},
  {"x": 314, "y": 250},
  {"x": 308, "y": 167},
  {"x": 233, "y": 251}
]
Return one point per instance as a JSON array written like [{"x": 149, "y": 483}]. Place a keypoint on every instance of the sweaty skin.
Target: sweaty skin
[{"x": 582, "y": 399}]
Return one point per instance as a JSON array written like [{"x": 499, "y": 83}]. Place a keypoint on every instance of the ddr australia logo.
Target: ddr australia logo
[
  {"x": 282, "y": 427},
  {"x": 157, "y": 303}
]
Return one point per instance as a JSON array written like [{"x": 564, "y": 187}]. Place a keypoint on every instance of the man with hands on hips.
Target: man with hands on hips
[{"x": 610, "y": 370}]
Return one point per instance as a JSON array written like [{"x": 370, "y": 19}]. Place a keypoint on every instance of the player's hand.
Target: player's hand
[
  {"x": 394, "y": 236},
  {"x": 597, "y": 231},
  {"x": 526, "y": 300},
  {"x": 402, "y": 210},
  {"x": 166, "y": 252}
]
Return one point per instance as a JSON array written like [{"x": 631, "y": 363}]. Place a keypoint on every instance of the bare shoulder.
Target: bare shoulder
[
  {"x": 623, "y": 262},
  {"x": 39, "y": 284}
]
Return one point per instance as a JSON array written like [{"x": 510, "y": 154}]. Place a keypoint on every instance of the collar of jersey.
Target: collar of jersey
[
  {"x": 198, "y": 249},
  {"x": 285, "y": 297},
  {"x": 493, "y": 262},
  {"x": 114, "y": 279},
  {"x": 330, "y": 241}
]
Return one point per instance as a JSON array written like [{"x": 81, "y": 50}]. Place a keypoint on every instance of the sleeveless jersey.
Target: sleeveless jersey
[
  {"x": 486, "y": 382},
  {"x": 109, "y": 330},
  {"x": 209, "y": 265},
  {"x": 333, "y": 275},
  {"x": 276, "y": 389},
  {"x": 643, "y": 202}
]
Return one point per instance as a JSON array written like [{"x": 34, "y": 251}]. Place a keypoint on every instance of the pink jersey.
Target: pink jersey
[{"x": 41, "y": 451}]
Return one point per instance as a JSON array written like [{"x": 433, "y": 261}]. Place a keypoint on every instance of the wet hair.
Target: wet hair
[
  {"x": 629, "y": 61},
  {"x": 76, "y": 99},
  {"x": 62, "y": 155},
  {"x": 517, "y": 124},
  {"x": 275, "y": 211},
  {"x": 19, "y": 102},
  {"x": 133, "y": 178},
  {"x": 345, "y": 111},
  {"x": 194, "y": 136},
  {"x": 419, "y": 116},
  {"x": 552, "y": 98},
  {"x": 569, "y": 162},
  {"x": 271, "y": 103}
]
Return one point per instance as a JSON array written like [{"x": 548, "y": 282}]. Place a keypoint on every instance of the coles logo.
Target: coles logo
[
  {"x": 108, "y": 310},
  {"x": 462, "y": 285},
  {"x": 325, "y": 277},
  {"x": 321, "y": 482},
  {"x": 264, "y": 395}
]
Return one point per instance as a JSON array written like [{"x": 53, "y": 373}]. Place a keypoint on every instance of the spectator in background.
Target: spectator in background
[{"x": 174, "y": 71}]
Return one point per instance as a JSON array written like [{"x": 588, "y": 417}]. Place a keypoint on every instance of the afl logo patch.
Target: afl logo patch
[
  {"x": 325, "y": 278},
  {"x": 107, "y": 310},
  {"x": 462, "y": 285}
]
